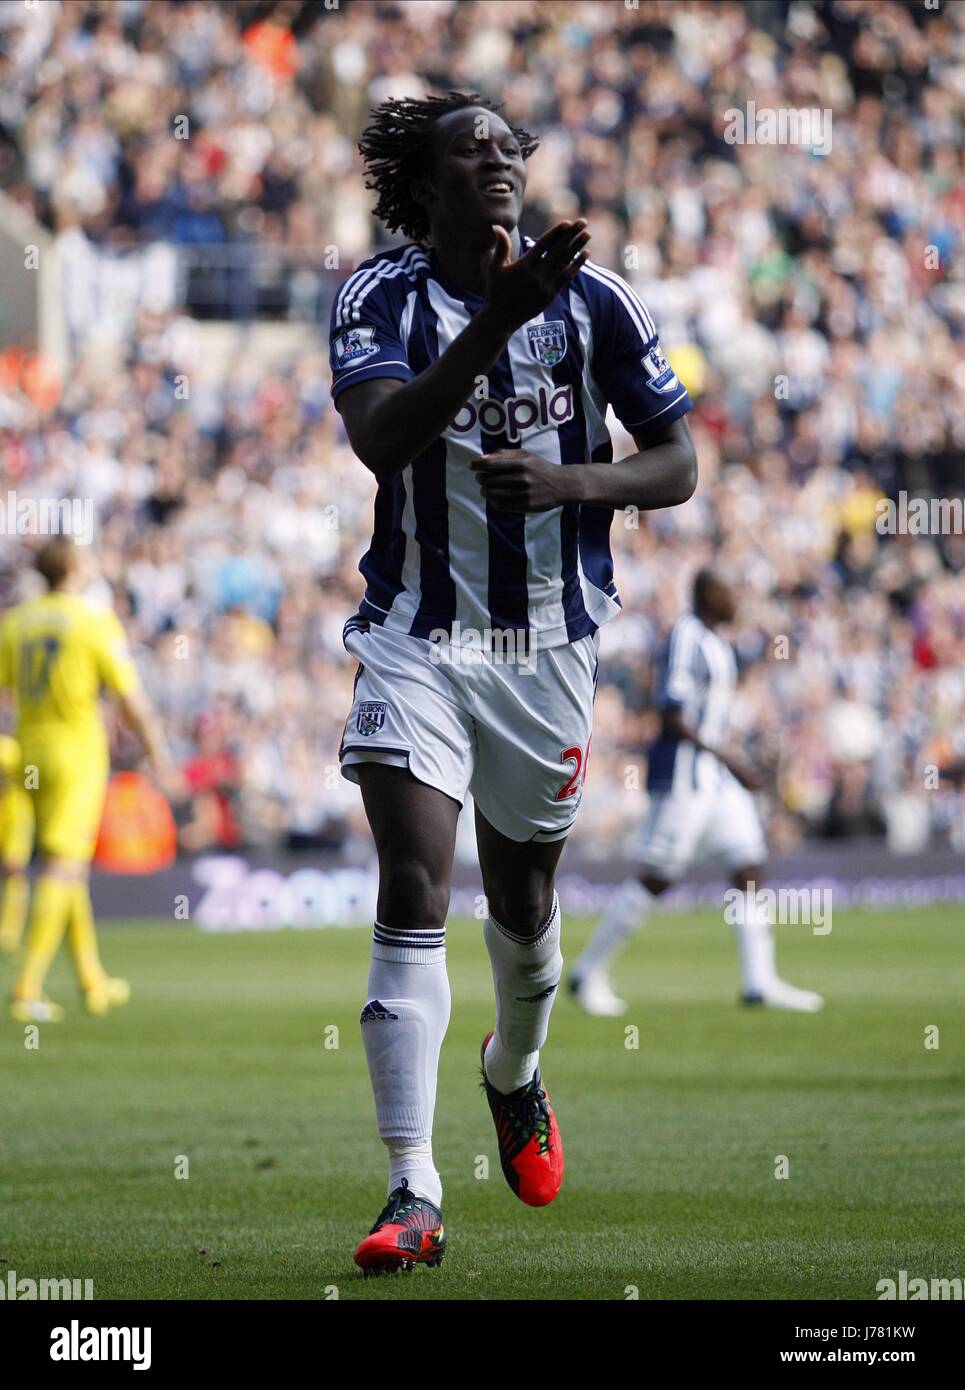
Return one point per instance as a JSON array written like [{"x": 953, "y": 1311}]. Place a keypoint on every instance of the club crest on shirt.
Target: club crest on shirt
[
  {"x": 548, "y": 341},
  {"x": 371, "y": 717},
  {"x": 353, "y": 345},
  {"x": 660, "y": 372}
]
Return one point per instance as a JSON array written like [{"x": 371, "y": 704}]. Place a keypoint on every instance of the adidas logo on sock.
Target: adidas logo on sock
[
  {"x": 535, "y": 998},
  {"x": 374, "y": 1010}
]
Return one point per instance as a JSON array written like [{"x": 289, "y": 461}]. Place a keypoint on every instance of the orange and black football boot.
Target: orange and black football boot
[
  {"x": 408, "y": 1232},
  {"x": 530, "y": 1146}
]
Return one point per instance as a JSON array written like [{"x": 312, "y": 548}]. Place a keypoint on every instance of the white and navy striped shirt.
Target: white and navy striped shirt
[
  {"x": 439, "y": 553},
  {"x": 698, "y": 675}
]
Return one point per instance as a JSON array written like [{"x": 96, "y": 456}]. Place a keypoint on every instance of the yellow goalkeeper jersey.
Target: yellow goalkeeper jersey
[{"x": 57, "y": 653}]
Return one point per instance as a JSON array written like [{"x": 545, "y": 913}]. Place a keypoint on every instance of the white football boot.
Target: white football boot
[
  {"x": 780, "y": 995},
  {"x": 594, "y": 994}
]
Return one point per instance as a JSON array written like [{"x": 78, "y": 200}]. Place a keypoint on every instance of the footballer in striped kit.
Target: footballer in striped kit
[
  {"x": 473, "y": 367},
  {"x": 701, "y": 809}
]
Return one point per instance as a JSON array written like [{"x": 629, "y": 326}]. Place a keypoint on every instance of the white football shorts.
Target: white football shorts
[
  {"x": 514, "y": 734},
  {"x": 685, "y": 827}
]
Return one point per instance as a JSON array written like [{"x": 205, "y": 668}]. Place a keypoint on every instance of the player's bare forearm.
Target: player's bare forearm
[
  {"x": 390, "y": 423},
  {"x": 663, "y": 473},
  {"x": 675, "y": 726},
  {"x": 142, "y": 719}
]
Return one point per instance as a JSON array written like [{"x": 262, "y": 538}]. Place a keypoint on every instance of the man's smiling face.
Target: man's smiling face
[{"x": 479, "y": 174}]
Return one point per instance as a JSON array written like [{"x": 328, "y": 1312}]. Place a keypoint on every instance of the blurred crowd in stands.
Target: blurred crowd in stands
[{"x": 812, "y": 302}]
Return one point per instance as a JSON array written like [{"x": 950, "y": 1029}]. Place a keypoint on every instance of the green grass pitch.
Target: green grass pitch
[{"x": 671, "y": 1147}]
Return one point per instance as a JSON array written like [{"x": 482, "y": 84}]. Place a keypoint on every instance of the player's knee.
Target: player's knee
[
  {"x": 523, "y": 908},
  {"x": 55, "y": 866},
  {"x": 416, "y": 896}
]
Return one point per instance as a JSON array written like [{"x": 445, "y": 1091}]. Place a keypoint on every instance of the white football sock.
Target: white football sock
[
  {"x": 755, "y": 945},
  {"x": 526, "y": 973},
  {"x": 403, "y": 1024},
  {"x": 625, "y": 910},
  {"x": 412, "y": 1159}
]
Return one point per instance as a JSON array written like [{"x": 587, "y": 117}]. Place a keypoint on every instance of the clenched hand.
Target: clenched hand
[{"x": 514, "y": 480}]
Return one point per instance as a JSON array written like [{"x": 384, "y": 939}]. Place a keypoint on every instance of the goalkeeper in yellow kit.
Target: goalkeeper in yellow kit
[{"x": 58, "y": 653}]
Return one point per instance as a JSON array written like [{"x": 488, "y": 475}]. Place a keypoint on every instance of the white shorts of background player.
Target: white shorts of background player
[{"x": 686, "y": 827}]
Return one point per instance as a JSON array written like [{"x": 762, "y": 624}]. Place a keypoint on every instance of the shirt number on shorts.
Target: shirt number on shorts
[{"x": 576, "y": 779}]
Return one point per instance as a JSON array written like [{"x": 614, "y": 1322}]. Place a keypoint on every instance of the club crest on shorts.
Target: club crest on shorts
[
  {"x": 371, "y": 717},
  {"x": 548, "y": 341},
  {"x": 354, "y": 345}
]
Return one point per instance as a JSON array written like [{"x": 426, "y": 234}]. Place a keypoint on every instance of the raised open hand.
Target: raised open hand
[{"x": 517, "y": 291}]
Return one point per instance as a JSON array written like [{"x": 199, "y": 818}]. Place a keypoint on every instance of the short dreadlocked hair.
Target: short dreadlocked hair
[{"x": 397, "y": 148}]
